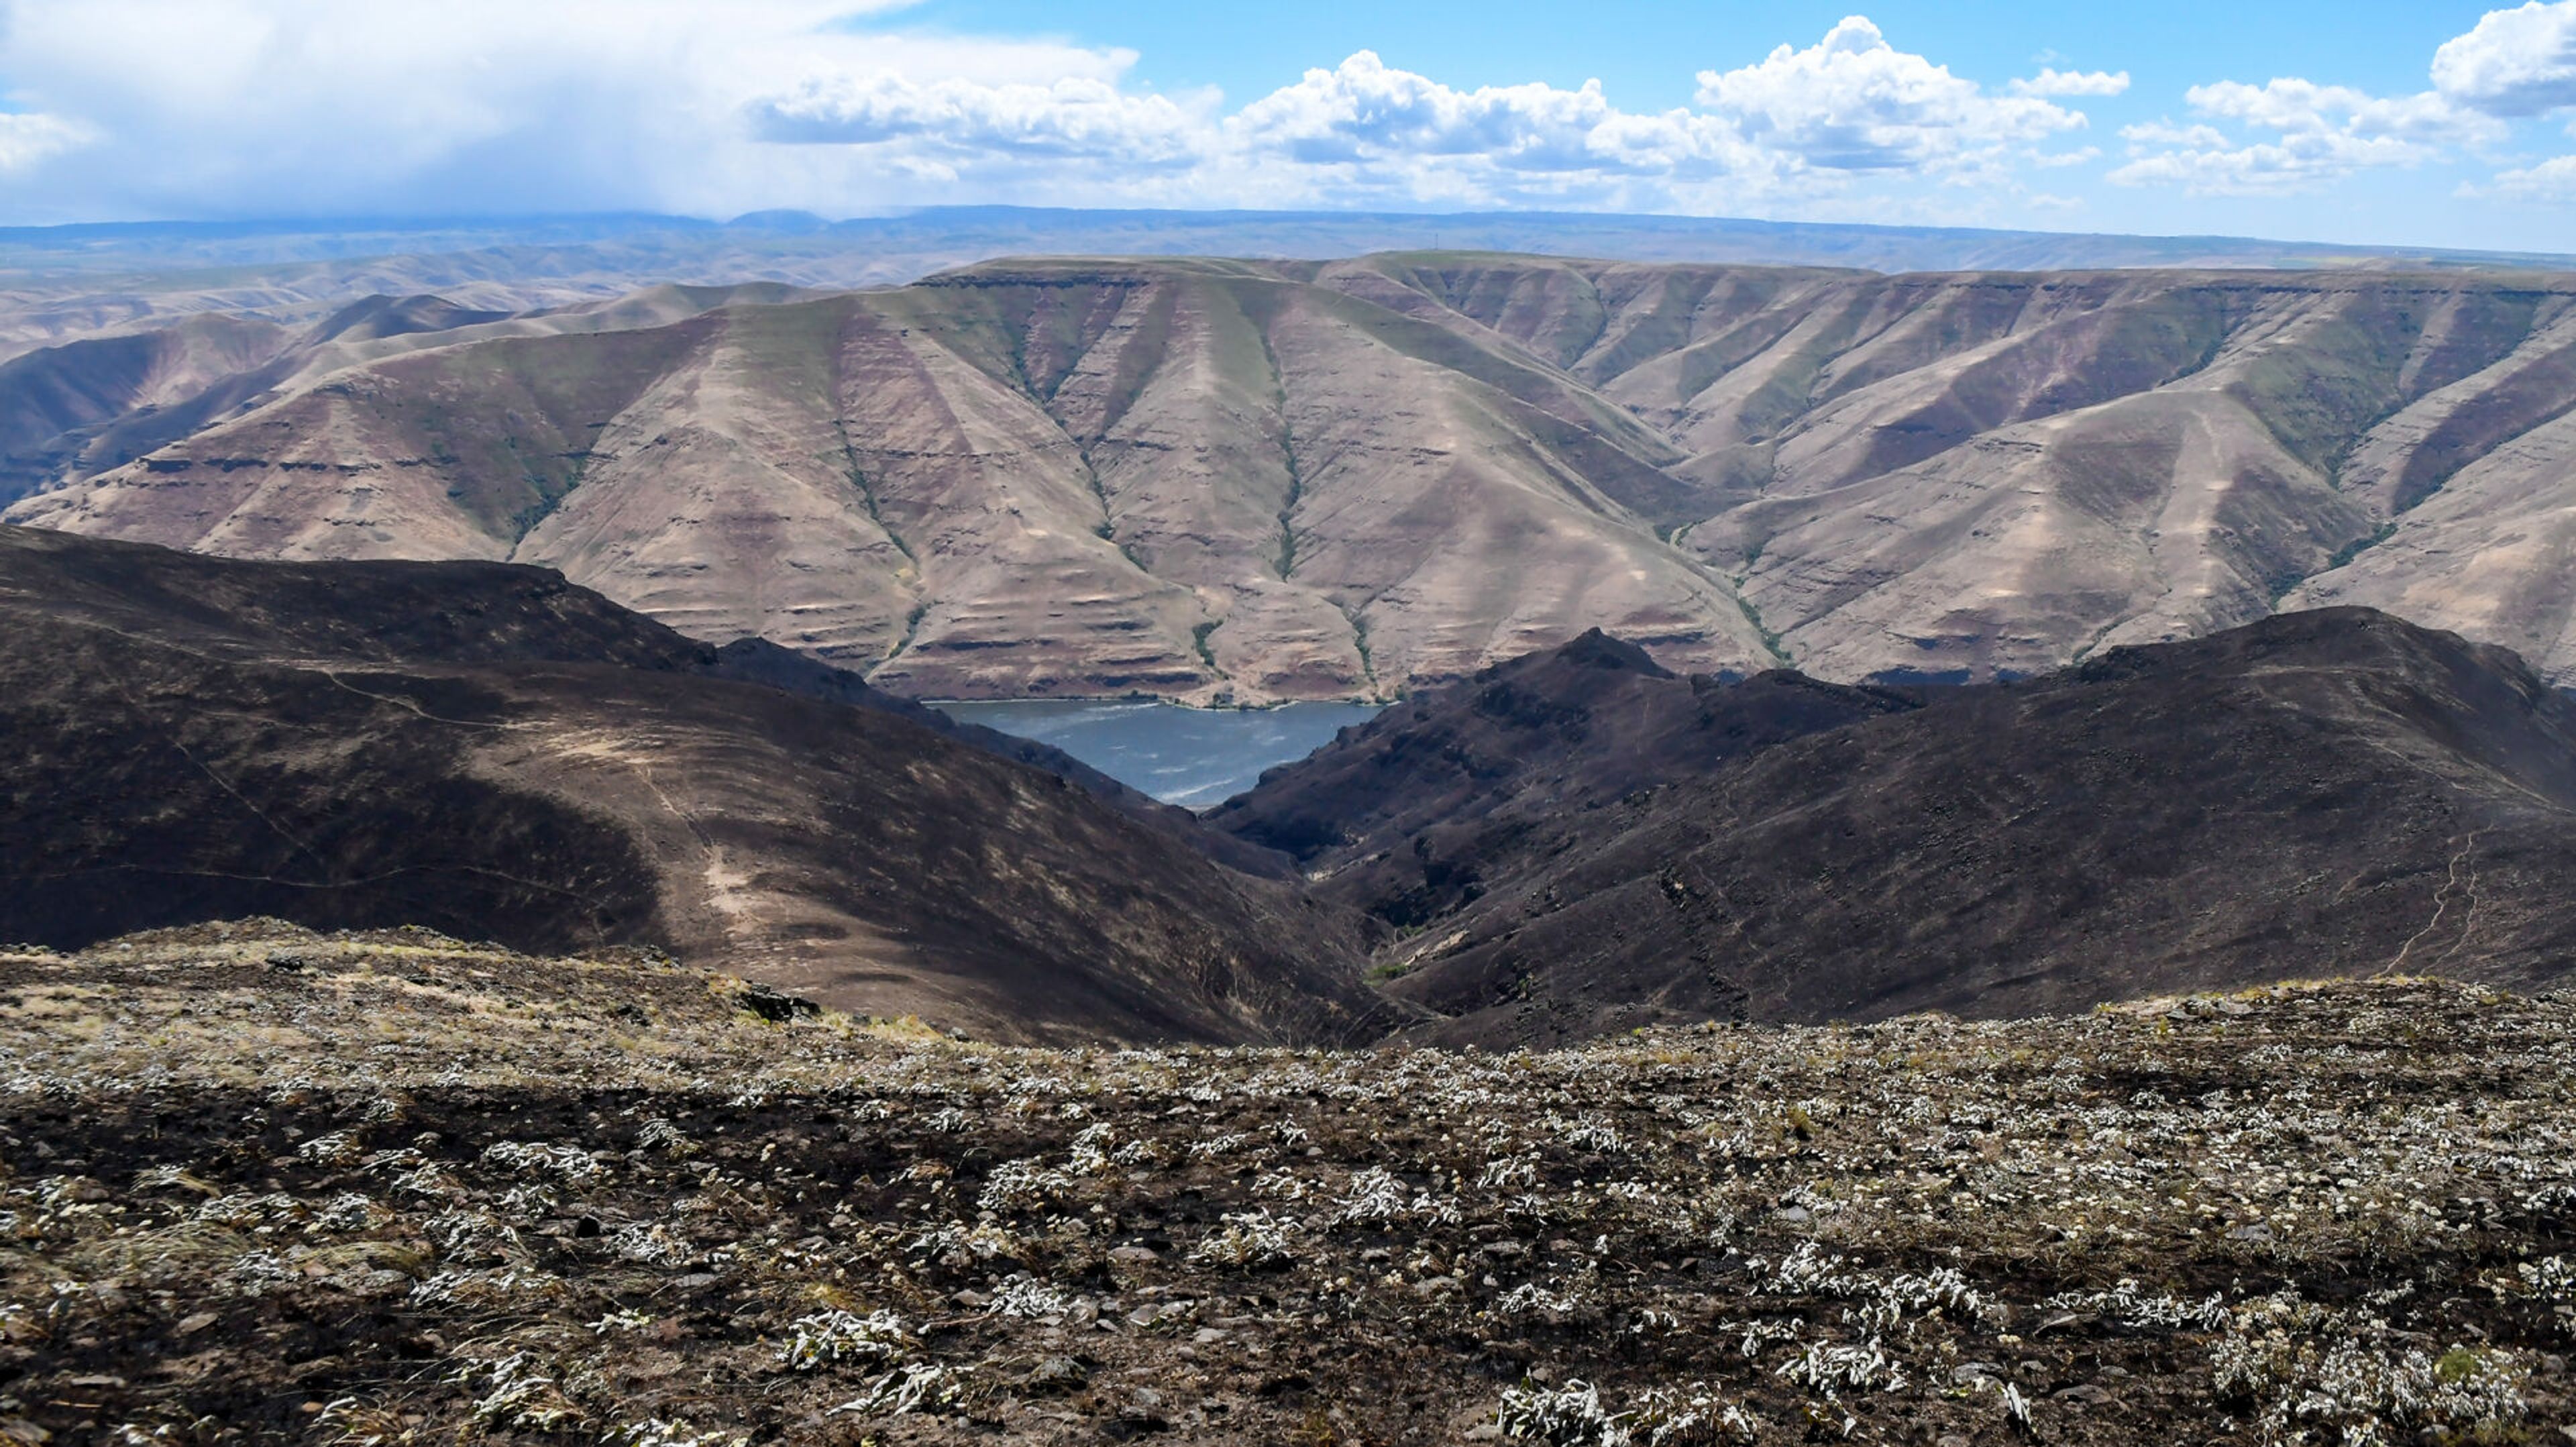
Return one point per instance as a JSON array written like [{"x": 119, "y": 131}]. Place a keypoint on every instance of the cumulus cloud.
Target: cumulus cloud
[
  {"x": 214, "y": 107},
  {"x": 1371, "y": 123},
  {"x": 1853, "y": 102},
  {"x": 2425, "y": 119},
  {"x": 1076, "y": 117},
  {"x": 2320, "y": 133},
  {"x": 2052, "y": 81},
  {"x": 2553, "y": 180},
  {"x": 2292, "y": 134},
  {"x": 2513, "y": 62},
  {"x": 2296, "y": 135},
  {"x": 1797, "y": 124}
]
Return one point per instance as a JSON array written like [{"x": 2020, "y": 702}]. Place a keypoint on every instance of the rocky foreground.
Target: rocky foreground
[{"x": 263, "y": 1185}]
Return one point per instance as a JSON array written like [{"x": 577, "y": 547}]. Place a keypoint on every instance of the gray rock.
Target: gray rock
[
  {"x": 2084, "y": 1392},
  {"x": 1056, "y": 1374}
]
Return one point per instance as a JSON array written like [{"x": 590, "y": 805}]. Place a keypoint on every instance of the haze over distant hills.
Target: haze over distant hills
[
  {"x": 61, "y": 282},
  {"x": 1240, "y": 480}
]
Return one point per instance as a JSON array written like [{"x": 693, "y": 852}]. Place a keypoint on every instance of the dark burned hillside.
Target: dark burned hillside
[
  {"x": 403, "y": 613},
  {"x": 1577, "y": 844},
  {"x": 1434, "y": 801},
  {"x": 262, "y": 1186},
  {"x": 485, "y": 750}
]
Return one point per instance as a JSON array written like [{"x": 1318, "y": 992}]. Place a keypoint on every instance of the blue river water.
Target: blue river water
[{"x": 1194, "y": 757}]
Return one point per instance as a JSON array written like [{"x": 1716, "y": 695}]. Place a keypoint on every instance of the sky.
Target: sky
[{"x": 2421, "y": 123}]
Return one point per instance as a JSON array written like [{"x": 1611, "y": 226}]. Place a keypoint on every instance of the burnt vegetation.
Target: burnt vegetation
[
  {"x": 266, "y": 1185},
  {"x": 1578, "y": 842}
]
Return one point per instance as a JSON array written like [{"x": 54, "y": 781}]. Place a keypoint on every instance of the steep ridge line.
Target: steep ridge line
[
  {"x": 1359, "y": 477},
  {"x": 1580, "y": 842},
  {"x": 529, "y": 763}
]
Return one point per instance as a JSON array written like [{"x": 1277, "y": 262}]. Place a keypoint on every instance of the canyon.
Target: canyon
[{"x": 1249, "y": 481}]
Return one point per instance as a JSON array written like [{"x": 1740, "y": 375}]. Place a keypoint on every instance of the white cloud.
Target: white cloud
[
  {"x": 2320, "y": 133},
  {"x": 26, "y": 139},
  {"x": 1365, "y": 114},
  {"x": 1363, "y": 131},
  {"x": 2293, "y": 163},
  {"x": 2166, "y": 133},
  {"x": 1075, "y": 117},
  {"x": 2553, "y": 180},
  {"x": 1852, "y": 102},
  {"x": 2052, "y": 81},
  {"x": 284, "y": 106},
  {"x": 2300, "y": 106},
  {"x": 2294, "y": 134},
  {"x": 241, "y": 107},
  {"x": 2513, "y": 62}
]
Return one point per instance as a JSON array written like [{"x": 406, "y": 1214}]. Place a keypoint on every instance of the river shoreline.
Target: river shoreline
[{"x": 1193, "y": 757}]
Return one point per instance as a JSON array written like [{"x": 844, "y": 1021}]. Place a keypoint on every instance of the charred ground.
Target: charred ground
[{"x": 262, "y": 1185}]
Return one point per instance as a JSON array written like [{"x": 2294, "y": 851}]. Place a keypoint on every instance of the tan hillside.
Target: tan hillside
[{"x": 1249, "y": 481}]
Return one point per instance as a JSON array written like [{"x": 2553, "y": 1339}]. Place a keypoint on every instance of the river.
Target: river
[{"x": 1194, "y": 757}]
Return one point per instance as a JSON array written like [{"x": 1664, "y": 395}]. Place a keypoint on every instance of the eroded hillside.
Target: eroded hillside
[{"x": 1249, "y": 481}]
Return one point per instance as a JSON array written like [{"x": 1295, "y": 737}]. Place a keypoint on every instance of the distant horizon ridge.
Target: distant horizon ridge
[{"x": 574, "y": 227}]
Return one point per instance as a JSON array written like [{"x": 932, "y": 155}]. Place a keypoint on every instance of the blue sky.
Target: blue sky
[{"x": 2361, "y": 121}]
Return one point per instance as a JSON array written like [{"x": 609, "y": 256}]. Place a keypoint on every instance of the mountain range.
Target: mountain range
[
  {"x": 1569, "y": 844},
  {"x": 1234, "y": 481},
  {"x": 60, "y": 283}
]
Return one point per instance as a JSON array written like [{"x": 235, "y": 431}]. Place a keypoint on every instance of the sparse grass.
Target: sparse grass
[{"x": 402, "y": 1189}]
